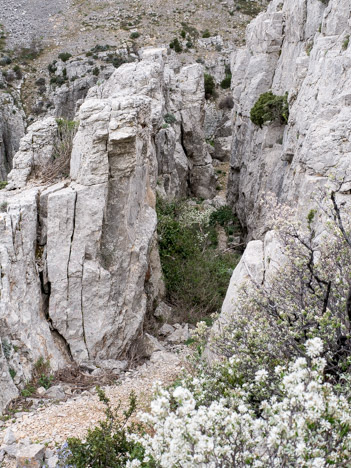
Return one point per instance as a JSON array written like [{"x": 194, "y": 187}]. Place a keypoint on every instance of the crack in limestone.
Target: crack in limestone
[
  {"x": 71, "y": 241},
  {"x": 82, "y": 312}
]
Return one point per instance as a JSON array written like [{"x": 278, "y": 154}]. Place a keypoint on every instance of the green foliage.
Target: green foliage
[
  {"x": 12, "y": 372},
  {"x": 225, "y": 218},
  {"x": 3, "y": 184},
  {"x": 64, "y": 56},
  {"x": 107, "y": 445},
  {"x": 135, "y": 35},
  {"x": 176, "y": 45},
  {"x": 226, "y": 82},
  {"x": 169, "y": 118},
  {"x": 28, "y": 390},
  {"x": 206, "y": 34},
  {"x": 345, "y": 44},
  {"x": 270, "y": 108},
  {"x": 210, "y": 85},
  {"x": 96, "y": 71},
  {"x": 183, "y": 33},
  {"x": 196, "y": 274}
]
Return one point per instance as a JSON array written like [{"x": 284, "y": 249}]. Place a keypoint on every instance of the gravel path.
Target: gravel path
[{"x": 54, "y": 423}]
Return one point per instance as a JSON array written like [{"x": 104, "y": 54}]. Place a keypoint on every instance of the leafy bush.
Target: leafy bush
[
  {"x": 169, "y": 118},
  {"x": 226, "y": 82},
  {"x": 175, "y": 44},
  {"x": 270, "y": 108},
  {"x": 196, "y": 274},
  {"x": 210, "y": 85},
  {"x": 64, "y": 56},
  {"x": 134, "y": 35},
  {"x": 108, "y": 445},
  {"x": 206, "y": 34}
]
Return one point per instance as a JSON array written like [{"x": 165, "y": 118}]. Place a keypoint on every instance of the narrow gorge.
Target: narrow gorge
[{"x": 94, "y": 140}]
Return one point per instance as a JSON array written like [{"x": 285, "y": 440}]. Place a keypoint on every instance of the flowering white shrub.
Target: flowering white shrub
[{"x": 305, "y": 424}]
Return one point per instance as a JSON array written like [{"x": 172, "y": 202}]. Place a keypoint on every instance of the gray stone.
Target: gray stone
[
  {"x": 163, "y": 312},
  {"x": 30, "y": 456},
  {"x": 166, "y": 329},
  {"x": 9, "y": 437},
  {"x": 56, "y": 393},
  {"x": 151, "y": 345},
  {"x": 180, "y": 334},
  {"x": 52, "y": 462},
  {"x": 113, "y": 365}
]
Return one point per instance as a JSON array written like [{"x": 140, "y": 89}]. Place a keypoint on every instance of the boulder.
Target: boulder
[{"x": 31, "y": 456}]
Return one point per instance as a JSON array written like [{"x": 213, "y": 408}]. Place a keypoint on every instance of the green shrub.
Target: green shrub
[
  {"x": 183, "y": 33},
  {"x": 345, "y": 44},
  {"x": 226, "y": 82},
  {"x": 169, "y": 118},
  {"x": 175, "y": 44},
  {"x": 195, "y": 273},
  {"x": 206, "y": 34},
  {"x": 64, "y": 56},
  {"x": 270, "y": 108},
  {"x": 135, "y": 35},
  {"x": 210, "y": 85},
  {"x": 96, "y": 71},
  {"x": 107, "y": 445},
  {"x": 3, "y": 184}
]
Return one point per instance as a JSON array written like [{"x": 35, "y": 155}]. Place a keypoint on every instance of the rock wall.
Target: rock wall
[
  {"x": 300, "y": 47},
  {"x": 11, "y": 131},
  {"x": 79, "y": 260}
]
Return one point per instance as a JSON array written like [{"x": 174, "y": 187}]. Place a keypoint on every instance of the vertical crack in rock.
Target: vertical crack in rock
[
  {"x": 72, "y": 237},
  {"x": 82, "y": 311},
  {"x": 45, "y": 286}
]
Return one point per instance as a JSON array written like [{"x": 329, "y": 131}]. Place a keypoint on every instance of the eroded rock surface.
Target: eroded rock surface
[
  {"x": 299, "y": 47},
  {"x": 79, "y": 262}
]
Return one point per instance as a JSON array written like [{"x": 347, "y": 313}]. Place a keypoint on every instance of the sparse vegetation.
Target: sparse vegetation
[
  {"x": 210, "y": 85},
  {"x": 346, "y": 41},
  {"x": 169, "y": 119}
]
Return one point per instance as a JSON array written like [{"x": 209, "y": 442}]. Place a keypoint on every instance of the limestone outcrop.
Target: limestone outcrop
[
  {"x": 79, "y": 260},
  {"x": 11, "y": 131},
  {"x": 302, "y": 48}
]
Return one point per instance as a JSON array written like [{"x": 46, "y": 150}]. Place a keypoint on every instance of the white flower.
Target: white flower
[
  {"x": 261, "y": 375},
  {"x": 314, "y": 347}
]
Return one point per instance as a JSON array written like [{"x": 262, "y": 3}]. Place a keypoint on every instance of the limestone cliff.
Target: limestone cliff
[
  {"x": 300, "y": 47},
  {"x": 79, "y": 268}
]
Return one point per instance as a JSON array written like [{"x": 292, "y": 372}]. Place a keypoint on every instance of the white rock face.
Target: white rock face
[
  {"x": 79, "y": 262},
  {"x": 297, "y": 46},
  {"x": 11, "y": 130},
  {"x": 35, "y": 151}
]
